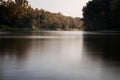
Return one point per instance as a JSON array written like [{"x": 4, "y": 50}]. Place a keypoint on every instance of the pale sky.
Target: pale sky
[{"x": 66, "y": 7}]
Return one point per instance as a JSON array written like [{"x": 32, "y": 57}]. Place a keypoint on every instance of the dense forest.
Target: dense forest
[
  {"x": 19, "y": 15},
  {"x": 102, "y": 15}
]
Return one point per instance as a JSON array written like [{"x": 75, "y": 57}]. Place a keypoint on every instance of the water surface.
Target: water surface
[{"x": 59, "y": 56}]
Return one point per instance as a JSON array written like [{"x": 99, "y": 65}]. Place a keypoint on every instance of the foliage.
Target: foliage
[
  {"x": 20, "y": 14},
  {"x": 102, "y": 15}
]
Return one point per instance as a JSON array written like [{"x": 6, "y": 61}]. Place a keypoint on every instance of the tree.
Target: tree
[
  {"x": 23, "y": 3},
  {"x": 19, "y": 14},
  {"x": 102, "y": 15}
]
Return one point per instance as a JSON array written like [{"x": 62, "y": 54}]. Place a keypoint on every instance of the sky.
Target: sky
[{"x": 66, "y": 7}]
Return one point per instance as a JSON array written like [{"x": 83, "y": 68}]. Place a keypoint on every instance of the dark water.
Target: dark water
[{"x": 59, "y": 56}]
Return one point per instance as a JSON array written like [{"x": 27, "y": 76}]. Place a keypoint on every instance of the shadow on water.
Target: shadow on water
[{"x": 105, "y": 46}]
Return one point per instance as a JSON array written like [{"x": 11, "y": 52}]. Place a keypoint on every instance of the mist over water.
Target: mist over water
[{"x": 59, "y": 56}]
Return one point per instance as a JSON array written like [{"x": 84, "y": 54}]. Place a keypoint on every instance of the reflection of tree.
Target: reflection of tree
[
  {"x": 14, "y": 47},
  {"x": 105, "y": 46}
]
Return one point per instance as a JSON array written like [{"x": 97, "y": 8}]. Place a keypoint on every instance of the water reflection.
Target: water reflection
[
  {"x": 104, "y": 45},
  {"x": 58, "y": 56},
  {"x": 14, "y": 48}
]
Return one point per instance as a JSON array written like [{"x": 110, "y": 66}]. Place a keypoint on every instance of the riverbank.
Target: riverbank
[{"x": 15, "y": 29}]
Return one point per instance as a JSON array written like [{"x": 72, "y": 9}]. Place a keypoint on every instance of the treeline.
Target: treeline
[
  {"x": 102, "y": 15},
  {"x": 19, "y": 14}
]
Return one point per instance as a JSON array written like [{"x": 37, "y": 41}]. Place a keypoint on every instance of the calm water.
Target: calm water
[{"x": 59, "y": 56}]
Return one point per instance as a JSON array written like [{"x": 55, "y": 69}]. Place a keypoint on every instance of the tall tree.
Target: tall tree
[{"x": 102, "y": 15}]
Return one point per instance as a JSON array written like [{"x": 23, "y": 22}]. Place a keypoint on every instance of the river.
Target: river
[{"x": 59, "y": 55}]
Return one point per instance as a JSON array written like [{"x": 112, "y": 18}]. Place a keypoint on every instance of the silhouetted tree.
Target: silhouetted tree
[{"x": 102, "y": 15}]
